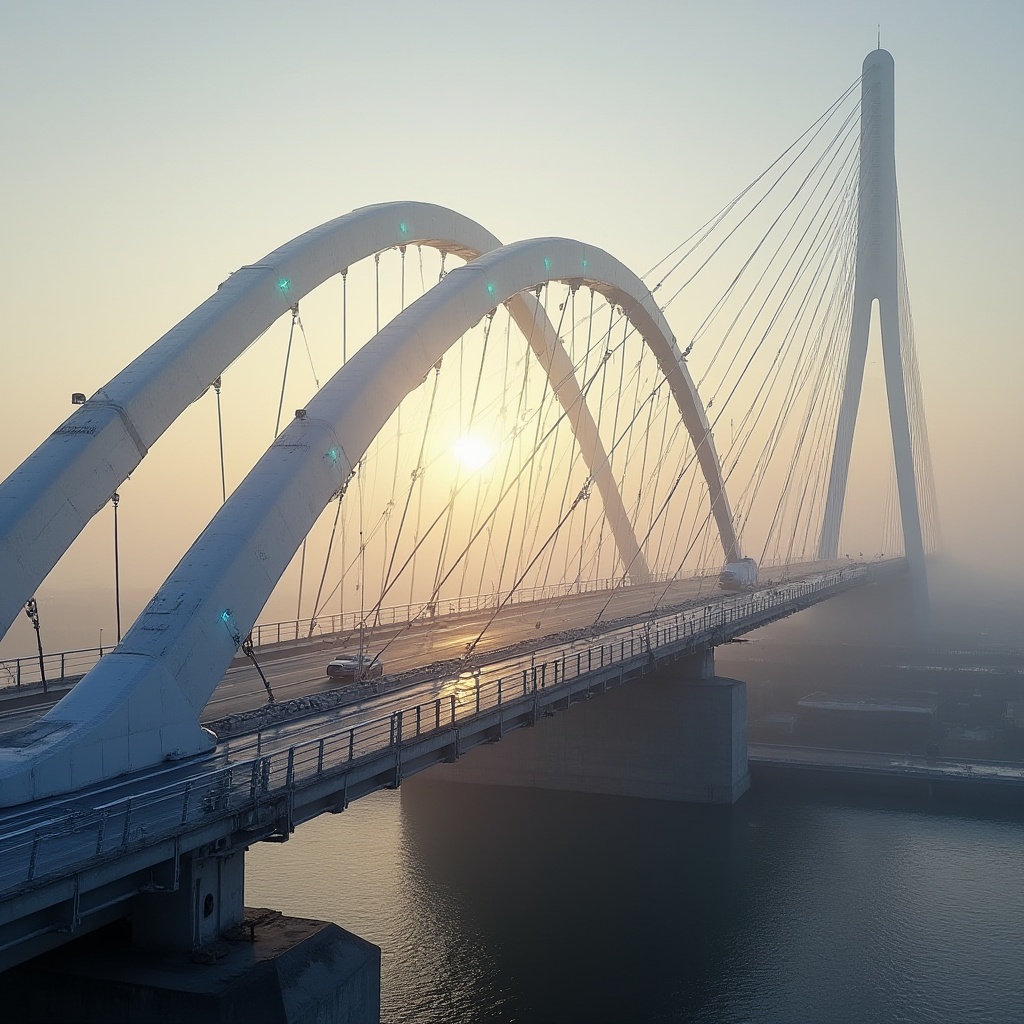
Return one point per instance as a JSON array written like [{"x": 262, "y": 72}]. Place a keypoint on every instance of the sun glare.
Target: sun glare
[{"x": 471, "y": 452}]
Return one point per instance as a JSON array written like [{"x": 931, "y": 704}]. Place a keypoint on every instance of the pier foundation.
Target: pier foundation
[
  {"x": 191, "y": 951},
  {"x": 274, "y": 969}
]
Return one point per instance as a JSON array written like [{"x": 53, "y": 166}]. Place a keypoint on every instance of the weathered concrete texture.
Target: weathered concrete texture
[
  {"x": 661, "y": 737},
  {"x": 291, "y": 970},
  {"x": 209, "y": 900}
]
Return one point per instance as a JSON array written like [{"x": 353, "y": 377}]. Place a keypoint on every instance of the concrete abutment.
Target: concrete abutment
[
  {"x": 191, "y": 951},
  {"x": 271, "y": 969}
]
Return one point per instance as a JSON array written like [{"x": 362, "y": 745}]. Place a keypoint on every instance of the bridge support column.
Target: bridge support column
[
  {"x": 678, "y": 734},
  {"x": 209, "y": 899},
  {"x": 195, "y": 953}
]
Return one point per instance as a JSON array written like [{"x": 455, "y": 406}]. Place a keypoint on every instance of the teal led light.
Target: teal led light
[
  {"x": 490, "y": 288},
  {"x": 284, "y": 286},
  {"x": 547, "y": 263},
  {"x": 332, "y": 454},
  {"x": 229, "y": 624},
  {"x": 584, "y": 264},
  {"x": 403, "y": 227}
]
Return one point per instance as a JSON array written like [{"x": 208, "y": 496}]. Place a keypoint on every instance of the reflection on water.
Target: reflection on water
[{"x": 494, "y": 904}]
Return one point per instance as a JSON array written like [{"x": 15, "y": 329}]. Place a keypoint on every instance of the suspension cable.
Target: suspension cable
[
  {"x": 284, "y": 376},
  {"x": 220, "y": 435}
]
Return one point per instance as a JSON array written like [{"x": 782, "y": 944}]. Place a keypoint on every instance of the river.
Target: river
[{"x": 496, "y": 904}]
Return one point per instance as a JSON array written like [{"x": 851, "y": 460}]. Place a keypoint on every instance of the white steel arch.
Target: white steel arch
[
  {"x": 142, "y": 703},
  {"x": 47, "y": 501}
]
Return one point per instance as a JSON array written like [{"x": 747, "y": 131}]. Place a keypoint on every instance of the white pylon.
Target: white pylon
[{"x": 877, "y": 278}]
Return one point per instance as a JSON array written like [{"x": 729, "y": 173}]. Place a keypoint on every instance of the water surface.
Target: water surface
[{"x": 494, "y": 904}]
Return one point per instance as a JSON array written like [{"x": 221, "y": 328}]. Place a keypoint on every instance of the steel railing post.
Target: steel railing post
[{"x": 127, "y": 823}]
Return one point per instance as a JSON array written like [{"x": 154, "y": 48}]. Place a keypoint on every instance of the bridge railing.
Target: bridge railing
[
  {"x": 70, "y": 841},
  {"x": 65, "y": 667},
  {"x": 60, "y": 668},
  {"x": 271, "y": 633}
]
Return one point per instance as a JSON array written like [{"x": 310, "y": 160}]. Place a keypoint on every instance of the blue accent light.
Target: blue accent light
[
  {"x": 284, "y": 286},
  {"x": 490, "y": 288},
  {"x": 403, "y": 227},
  {"x": 547, "y": 263},
  {"x": 584, "y": 264}
]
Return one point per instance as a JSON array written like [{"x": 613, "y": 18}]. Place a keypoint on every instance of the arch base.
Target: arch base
[{"x": 142, "y": 722}]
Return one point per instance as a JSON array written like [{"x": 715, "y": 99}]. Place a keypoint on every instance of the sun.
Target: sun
[{"x": 472, "y": 452}]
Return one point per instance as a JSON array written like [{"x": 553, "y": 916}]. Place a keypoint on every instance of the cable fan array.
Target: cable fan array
[{"x": 476, "y": 487}]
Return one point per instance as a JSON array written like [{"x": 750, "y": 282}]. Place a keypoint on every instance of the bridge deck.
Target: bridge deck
[{"x": 66, "y": 864}]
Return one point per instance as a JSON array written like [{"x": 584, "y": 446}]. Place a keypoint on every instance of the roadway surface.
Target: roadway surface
[
  {"x": 298, "y": 669},
  {"x": 70, "y": 861}
]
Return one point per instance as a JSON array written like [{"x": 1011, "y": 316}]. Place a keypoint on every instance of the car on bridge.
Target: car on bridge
[{"x": 361, "y": 668}]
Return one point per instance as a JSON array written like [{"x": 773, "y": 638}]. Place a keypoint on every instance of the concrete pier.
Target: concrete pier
[
  {"x": 269, "y": 968},
  {"x": 679, "y": 734},
  {"x": 189, "y": 950}
]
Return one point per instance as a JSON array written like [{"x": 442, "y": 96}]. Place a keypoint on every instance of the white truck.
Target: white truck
[{"x": 740, "y": 575}]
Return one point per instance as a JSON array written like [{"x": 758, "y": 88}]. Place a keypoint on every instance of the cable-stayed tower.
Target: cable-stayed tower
[{"x": 877, "y": 278}]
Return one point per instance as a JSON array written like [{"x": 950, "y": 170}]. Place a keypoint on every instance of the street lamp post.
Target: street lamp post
[
  {"x": 115, "y": 498},
  {"x": 32, "y": 611}
]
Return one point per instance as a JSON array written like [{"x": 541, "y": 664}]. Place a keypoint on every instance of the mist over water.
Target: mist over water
[
  {"x": 972, "y": 606},
  {"x": 511, "y": 905},
  {"x": 499, "y": 904}
]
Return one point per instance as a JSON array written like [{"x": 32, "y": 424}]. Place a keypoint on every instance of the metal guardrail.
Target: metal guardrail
[
  {"x": 269, "y": 633},
  {"x": 68, "y": 666},
  {"x": 74, "y": 840},
  {"x": 60, "y": 667}
]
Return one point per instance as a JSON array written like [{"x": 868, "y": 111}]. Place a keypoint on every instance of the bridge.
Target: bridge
[{"x": 572, "y": 553}]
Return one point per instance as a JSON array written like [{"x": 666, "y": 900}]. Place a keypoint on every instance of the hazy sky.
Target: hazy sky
[{"x": 151, "y": 148}]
